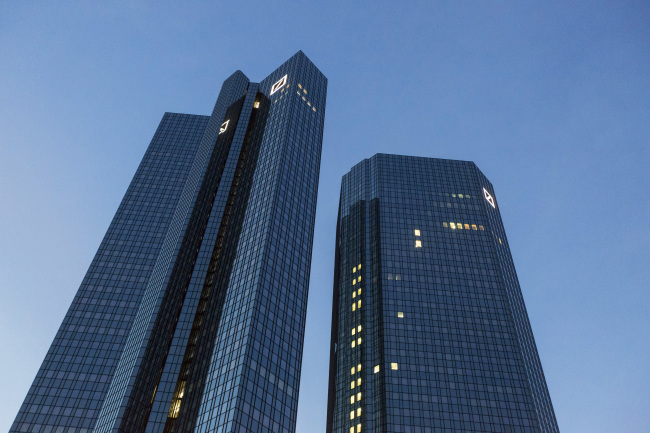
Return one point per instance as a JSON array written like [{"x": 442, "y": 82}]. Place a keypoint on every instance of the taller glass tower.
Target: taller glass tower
[
  {"x": 430, "y": 331},
  {"x": 191, "y": 316}
]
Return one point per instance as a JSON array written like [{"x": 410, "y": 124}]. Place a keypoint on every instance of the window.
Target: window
[
  {"x": 452, "y": 225},
  {"x": 354, "y": 269},
  {"x": 256, "y": 104},
  {"x": 359, "y": 428},
  {"x": 352, "y": 400},
  {"x": 417, "y": 232},
  {"x": 352, "y": 415},
  {"x": 354, "y": 331},
  {"x": 352, "y": 385},
  {"x": 358, "y": 411},
  {"x": 359, "y": 330},
  {"x": 393, "y": 366},
  {"x": 400, "y": 314},
  {"x": 359, "y": 381},
  {"x": 376, "y": 369},
  {"x": 418, "y": 244},
  {"x": 353, "y": 370}
]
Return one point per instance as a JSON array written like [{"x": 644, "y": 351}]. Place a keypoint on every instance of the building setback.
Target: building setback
[
  {"x": 191, "y": 316},
  {"x": 430, "y": 331}
]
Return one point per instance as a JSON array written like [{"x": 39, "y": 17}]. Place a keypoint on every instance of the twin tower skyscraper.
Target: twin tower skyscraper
[{"x": 191, "y": 316}]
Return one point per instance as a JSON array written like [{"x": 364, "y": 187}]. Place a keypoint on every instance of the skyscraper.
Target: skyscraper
[
  {"x": 191, "y": 316},
  {"x": 430, "y": 332}
]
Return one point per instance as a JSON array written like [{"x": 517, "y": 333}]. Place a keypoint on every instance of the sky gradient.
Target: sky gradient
[{"x": 551, "y": 101}]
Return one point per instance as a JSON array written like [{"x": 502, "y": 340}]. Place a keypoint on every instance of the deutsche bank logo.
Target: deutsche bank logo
[
  {"x": 279, "y": 84},
  {"x": 224, "y": 126},
  {"x": 488, "y": 197}
]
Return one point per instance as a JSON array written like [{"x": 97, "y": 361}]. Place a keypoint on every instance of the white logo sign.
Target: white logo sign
[
  {"x": 224, "y": 126},
  {"x": 488, "y": 197},
  {"x": 279, "y": 84}
]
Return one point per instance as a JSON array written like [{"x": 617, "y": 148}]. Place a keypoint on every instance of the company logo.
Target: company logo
[
  {"x": 224, "y": 126},
  {"x": 279, "y": 84},
  {"x": 488, "y": 197}
]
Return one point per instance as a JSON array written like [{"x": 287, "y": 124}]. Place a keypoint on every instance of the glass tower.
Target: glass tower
[
  {"x": 430, "y": 331},
  {"x": 191, "y": 316}
]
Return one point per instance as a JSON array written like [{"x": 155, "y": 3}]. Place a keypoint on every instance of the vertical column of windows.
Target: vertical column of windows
[{"x": 356, "y": 340}]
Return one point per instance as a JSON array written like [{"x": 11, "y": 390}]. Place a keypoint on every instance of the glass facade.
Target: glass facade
[
  {"x": 429, "y": 328},
  {"x": 191, "y": 316}
]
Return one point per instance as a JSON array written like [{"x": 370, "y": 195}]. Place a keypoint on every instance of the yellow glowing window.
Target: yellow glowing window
[
  {"x": 359, "y": 382},
  {"x": 309, "y": 103},
  {"x": 359, "y": 412},
  {"x": 354, "y": 269},
  {"x": 481, "y": 228},
  {"x": 393, "y": 366},
  {"x": 459, "y": 226},
  {"x": 352, "y": 385},
  {"x": 452, "y": 225},
  {"x": 359, "y": 278},
  {"x": 358, "y": 428},
  {"x": 354, "y": 307},
  {"x": 353, "y": 344},
  {"x": 353, "y": 370},
  {"x": 256, "y": 104},
  {"x": 303, "y": 98},
  {"x": 400, "y": 314},
  {"x": 354, "y": 295},
  {"x": 500, "y": 241},
  {"x": 304, "y": 90},
  {"x": 473, "y": 226},
  {"x": 359, "y": 303},
  {"x": 352, "y": 415},
  {"x": 376, "y": 369},
  {"x": 352, "y": 400},
  {"x": 359, "y": 367},
  {"x": 359, "y": 328},
  {"x": 300, "y": 85},
  {"x": 358, "y": 396},
  {"x": 466, "y": 226},
  {"x": 418, "y": 244},
  {"x": 417, "y": 232},
  {"x": 359, "y": 266},
  {"x": 359, "y": 340},
  {"x": 352, "y": 429},
  {"x": 313, "y": 108},
  {"x": 354, "y": 331},
  {"x": 460, "y": 195},
  {"x": 354, "y": 281},
  {"x": 359, "y": 291}
]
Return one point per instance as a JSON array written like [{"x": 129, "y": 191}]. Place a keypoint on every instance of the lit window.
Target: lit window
[
  {"x": 359, "y": 291},
  {"x": 359, "y": 303},
  {"x": 352, "y": 429},
  {"x": 353, "y": 370},
  {"x": 418, "y": 244},
  {"x": 445, "y": 224},
  {"x": 352, "y": 400},
  {"x": 473, "y": 226},
  {"x": 398, "y": 277},
  {"x": 309, "y": 103},
  {"x": 460, "y": 195},
  {"x": 359, "y": 367},
  {"x": 500, "y": 241},
  {"x": 376, "y": 369},
  {"x": 359, "y": 381},
  {"x": 359, "y": 412},
  {"x": 353, "y": 344},
  {"x": 354, "y": 269},
  {"x": 354, "y": 281},
  {"x": 300, "y": 85},
  {"x": 359, "y": 329},
  {"x": 359, "y": 278},
  {"x": 481, "y": 228},
  {"x": 359, "y": 428},
  {"x": 303, "y": 98},
  {"x": 359, "y": 340},
  {"x": 304, "y": 90},
  {"x": 400, "y": 314},
  {"x": 313, "y": 108},
  {"x": 358, "y": 396},
  {"x": 354, "y": 331},
  {"x": 359, "y": 266},
  {"x": 354, "y": 307},
  {"x": 352, "y": 385},
  {"x": 256, "y": 104},
  {"x": 352, "y": 415},
  {"x": 466, "y": 226},
  {"x": 453, "y": 195},
  {"x": 452, "y": 225},
  {"x": 278, "y": 84},
  {"x": 459, "y": 226},
  {"x": 417, "y": 232},
  {"x": 354, "y": 295},
  {"x": 393, "y": 366}
]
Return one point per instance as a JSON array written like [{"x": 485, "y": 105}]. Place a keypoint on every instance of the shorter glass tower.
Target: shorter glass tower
[{"x": 429, "y": 328}]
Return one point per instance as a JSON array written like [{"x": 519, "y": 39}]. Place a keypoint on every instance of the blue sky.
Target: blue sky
[{"x": 550, "y": 99}]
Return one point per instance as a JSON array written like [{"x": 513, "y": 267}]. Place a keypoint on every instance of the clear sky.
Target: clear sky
[{"x": 550, "y": 99}]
